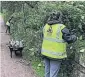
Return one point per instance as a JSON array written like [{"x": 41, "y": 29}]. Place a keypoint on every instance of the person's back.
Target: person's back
[{"x": 55, "y": 36}]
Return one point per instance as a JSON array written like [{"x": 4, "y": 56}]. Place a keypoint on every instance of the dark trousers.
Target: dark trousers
[{"x": 8, "y": 29}]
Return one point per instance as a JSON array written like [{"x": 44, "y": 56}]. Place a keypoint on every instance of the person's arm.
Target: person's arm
[{"x": 67, "y": 36}]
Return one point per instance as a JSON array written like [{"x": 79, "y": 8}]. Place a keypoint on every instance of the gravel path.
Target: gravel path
[{"x": 11, "y": 67}]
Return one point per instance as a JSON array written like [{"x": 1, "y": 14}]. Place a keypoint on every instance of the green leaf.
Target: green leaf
[
  {"x": 82, "y": 50},
  {"x": 39, "y": 65}
]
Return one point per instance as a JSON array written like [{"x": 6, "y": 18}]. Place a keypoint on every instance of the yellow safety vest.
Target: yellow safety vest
[
  {"x": 53, "y": 45},
  {"x": 7, "y": 23}
]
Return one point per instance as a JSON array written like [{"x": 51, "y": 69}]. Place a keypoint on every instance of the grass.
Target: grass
[
  {"x": 39, "y": 70},
  {"x": 35, "y": 61}
]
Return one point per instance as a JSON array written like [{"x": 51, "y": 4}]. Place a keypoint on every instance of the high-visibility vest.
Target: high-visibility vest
[
  {"x": 53, "y": 45},
  {"x": 7, "y": 23}
]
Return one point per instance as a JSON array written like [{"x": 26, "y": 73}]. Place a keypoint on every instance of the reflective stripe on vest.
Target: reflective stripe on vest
[
  {"x": 54, "y": 40},
  {"x": 54, "y": 54},
  {"x": 58, "y": 31}
]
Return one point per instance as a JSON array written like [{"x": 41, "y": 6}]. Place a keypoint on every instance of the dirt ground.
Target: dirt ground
[{"x": 15, "y": 66}]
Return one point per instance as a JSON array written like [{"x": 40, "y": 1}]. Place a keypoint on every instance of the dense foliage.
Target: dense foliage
[{"x": 30, "y": 17}]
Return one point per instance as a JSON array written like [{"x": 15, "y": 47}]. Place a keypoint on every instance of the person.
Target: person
[
  {"x": 55, "y": 37},
  {"x": 8, "y": 25}
]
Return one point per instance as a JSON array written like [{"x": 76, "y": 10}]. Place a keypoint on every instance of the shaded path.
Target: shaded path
[{"x": 11, "y": 67}]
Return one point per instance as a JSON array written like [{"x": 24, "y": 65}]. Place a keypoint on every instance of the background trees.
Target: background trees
[{"x": 31, "y": 16}]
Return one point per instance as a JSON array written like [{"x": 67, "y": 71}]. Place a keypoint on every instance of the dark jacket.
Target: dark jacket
[{"x": 67, "y": 36}]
